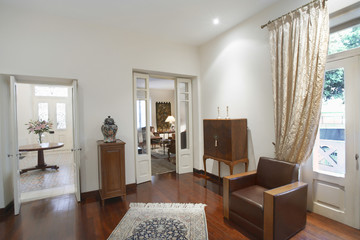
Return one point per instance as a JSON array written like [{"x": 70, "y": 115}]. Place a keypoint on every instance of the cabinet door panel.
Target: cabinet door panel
[
  {"x": 224, "y": 141},
  {"x": 112, "y": 170}
]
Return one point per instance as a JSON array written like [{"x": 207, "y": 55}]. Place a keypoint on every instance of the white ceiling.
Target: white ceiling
[{"x": 185, "y": 21}]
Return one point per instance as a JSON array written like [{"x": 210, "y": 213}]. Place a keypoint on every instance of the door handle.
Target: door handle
[{"x": 356, "y": 157}]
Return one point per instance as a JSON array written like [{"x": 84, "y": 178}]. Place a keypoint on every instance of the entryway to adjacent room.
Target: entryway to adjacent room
[
  {"x": 162, "y": 125},
  {"x": 163, "y": 128},
  {"x": 45, "y": 111},
  {"x": 47, "y": 160}
]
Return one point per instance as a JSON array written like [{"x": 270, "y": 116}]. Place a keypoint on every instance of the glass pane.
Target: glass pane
[
  {"x": 184, "y": 124},
  {"x": 60, "y": 115},
  {"x": 141, "y": 83},
  {"x": 329, "y": 152},
  {"x": 343, "y": 40},
  {"x": 51, "y": 91},
  {"x": 141, "y": 94},
  {"x": 183, "y": 87},
  {"x": 184, "y": 96},
  {"x": 43, "y": 111},
  {"x": 141, "y": 126}
]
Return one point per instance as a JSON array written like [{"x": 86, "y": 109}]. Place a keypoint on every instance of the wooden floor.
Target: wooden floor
[{"x": 63, "y": 218}]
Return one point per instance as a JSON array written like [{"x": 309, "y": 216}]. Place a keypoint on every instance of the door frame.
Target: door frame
[
  {"x": 141, "y": 159},
  {"x": 169, "y": 76},
  {"x": 14, "y": 154},
  {"x": 310, "y": 176},
  {"x": 184, "y": 157}
]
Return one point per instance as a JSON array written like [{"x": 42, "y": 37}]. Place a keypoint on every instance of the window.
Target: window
[
  {"x": 61, "y": 115},
  {"x": 51, "y": 91},
  {"x": 43, "y": 111},
  {"x": 344, "y": 40},
  {"x": 329, "y": 150}
]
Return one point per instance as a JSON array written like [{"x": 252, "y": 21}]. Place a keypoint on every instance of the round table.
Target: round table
[{"x": 40, "y": 149}]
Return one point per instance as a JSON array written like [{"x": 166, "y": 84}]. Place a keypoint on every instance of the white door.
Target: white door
[
  {"x": 57, "y": 109},
  {"x": 335, "y": 170},
  {"x": 142, "y": 129},
  {"x": 76, "y": 139},
  {"x": 184, "y": 148},
  {"x": 14, "y": 155}
]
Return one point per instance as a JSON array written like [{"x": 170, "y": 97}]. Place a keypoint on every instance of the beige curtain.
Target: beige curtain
[{"x": 299, "y": 43}]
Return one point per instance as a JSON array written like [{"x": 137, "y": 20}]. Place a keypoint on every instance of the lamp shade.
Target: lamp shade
[{"x": 170, "y": 119}]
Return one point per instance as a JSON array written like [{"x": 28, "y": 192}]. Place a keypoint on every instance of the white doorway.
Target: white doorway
[
  {"x": 179, "y": 129},
  {"x": 64, "y": 119},
  {"x": 53, "y": 104}
]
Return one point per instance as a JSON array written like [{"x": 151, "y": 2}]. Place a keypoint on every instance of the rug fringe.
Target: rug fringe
[{"x": 167, "y": 205}]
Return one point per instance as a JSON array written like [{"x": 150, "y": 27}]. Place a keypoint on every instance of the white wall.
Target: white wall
[
  {"x": 102, "y": 59},
  {"x": 161, "y": 95}
]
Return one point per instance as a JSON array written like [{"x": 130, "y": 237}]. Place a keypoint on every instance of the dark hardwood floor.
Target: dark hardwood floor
[{"x": 63, "y": 218}]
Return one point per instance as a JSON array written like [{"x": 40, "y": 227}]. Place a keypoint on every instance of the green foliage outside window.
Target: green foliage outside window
[
  {"x": 334, "y": 84},
  {"x": 344, "y": 40},
  {"x": 334, "y": 79}
]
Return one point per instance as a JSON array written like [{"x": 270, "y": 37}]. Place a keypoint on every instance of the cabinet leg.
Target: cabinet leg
[
  {"x": 204, "y": 160},
  {"x": 231, "y": 169},
  {"x": 102, "y": 202},
  {"x": 219, "y": 171}
]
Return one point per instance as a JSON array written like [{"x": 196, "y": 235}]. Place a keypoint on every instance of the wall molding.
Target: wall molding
[{"x": 94, "y": 195}]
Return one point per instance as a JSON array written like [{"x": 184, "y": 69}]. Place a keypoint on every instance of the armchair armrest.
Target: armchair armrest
[
  {"x": 235, "y": 182},
  {"x": 285, "y": 210}
]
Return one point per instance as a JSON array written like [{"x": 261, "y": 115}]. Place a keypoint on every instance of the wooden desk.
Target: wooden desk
[{"x": 40, "y": 149}]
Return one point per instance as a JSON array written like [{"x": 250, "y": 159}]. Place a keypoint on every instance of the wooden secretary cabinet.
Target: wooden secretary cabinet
[
  {"x": 111, "y": 158},
  {"x": 225, "y": 140}
]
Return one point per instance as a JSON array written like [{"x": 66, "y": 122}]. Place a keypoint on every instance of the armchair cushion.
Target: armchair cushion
[
  {"x": 248, "y": 203},
  {"x": 272, "y": 173}
]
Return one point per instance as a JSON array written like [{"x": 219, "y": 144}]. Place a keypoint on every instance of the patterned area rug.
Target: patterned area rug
[
  {"x": 160, "y": 163},
  {"x": 162, "y": 221}
]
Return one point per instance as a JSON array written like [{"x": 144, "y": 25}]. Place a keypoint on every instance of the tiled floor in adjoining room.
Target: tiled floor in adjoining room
[{"x": 38, "y": 184}]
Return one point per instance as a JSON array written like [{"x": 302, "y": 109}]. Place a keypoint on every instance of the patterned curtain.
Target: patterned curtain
[
  {"x": 163, "y": 110},
  {"x": 299, "y": 43}
]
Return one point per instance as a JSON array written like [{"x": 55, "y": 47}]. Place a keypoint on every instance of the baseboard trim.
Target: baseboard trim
[
  {"x": 96, "y": 195},
  {"x": 7, "y": 209},
  {"x": 210, "y": 176},
  {"x": 90, "y": 195},
  {"x": 131, "y": 187}
]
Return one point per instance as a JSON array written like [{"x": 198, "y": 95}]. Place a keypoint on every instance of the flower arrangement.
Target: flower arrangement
[{"x": 39, "y": 127}]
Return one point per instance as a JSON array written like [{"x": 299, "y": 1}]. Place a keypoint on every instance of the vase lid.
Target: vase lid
[{"x": 109, "y": 121}]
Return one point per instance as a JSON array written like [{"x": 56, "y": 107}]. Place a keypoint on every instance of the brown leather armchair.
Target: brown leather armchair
[{"x": 269, "y": 203}]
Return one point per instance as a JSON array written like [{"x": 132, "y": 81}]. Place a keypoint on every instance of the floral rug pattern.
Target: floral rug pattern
[{"x": 162, "y": 221}]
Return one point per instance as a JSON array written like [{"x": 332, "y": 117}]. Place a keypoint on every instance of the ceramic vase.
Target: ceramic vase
[{"x": 109, "y": 130}]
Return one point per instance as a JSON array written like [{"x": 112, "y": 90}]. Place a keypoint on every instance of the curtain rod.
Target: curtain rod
[{"x": 262, "y": 26}]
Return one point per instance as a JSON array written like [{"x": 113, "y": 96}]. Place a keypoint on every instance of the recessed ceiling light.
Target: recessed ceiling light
[{"x": 216, "y": 21}]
